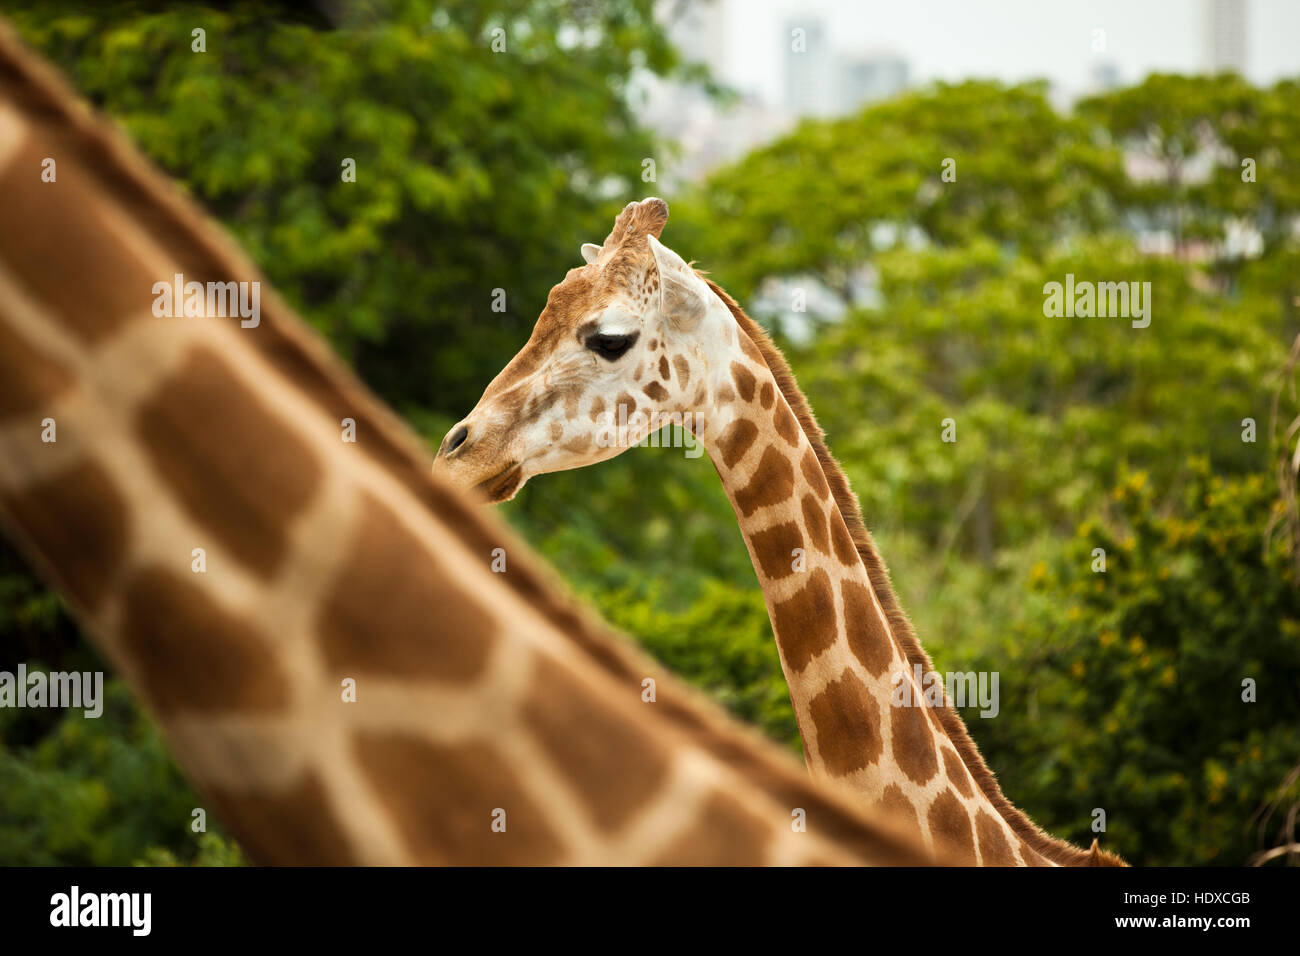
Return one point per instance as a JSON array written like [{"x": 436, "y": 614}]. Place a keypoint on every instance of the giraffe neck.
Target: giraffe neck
[{"x": 842, "y": 662}]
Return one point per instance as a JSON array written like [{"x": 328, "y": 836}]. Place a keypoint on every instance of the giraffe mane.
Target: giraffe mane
[{"x": 1056, "y": 850}]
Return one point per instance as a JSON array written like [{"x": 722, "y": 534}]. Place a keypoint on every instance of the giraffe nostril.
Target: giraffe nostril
[{"x": 455, "y": 438}]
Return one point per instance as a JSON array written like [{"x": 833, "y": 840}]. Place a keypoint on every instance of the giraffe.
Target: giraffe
[
  {"x": 637, "y": 338},
  {"x": 494, "y": 721}
]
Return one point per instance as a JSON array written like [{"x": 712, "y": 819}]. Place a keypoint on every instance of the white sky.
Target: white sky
[{"x": 1007, "y": 39}]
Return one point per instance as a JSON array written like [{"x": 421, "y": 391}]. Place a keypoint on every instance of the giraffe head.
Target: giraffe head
[{"x": 621, "y": 349}]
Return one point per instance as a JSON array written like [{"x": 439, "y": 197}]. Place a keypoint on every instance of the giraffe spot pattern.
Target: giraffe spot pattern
[
  {"x": 292, "y": 827},
  {"x": 726, "y": 394},
  {"x": 616, "y": 771},
  {"x": 577, "y": 445},
  {"x": 557, "y": 431},
  {"x": 813, "y": 474},
  {"x": 46, "y": 242},
  {"x": 786, "y": 425},
  {"x": 913, "y": 742},
  {"x": 956, "y": 770},
  {"x": 442, "y": 796},
  {"x": 192, "y": 654},
  {"x": 664, "y": 371},
  {"x": 724, "y": 832},
  {"x": 683, "y": 370},
  {"x": 397, "y": 636},
  {"x": 736, "y": 440},
  {"x": 207, "y": 437},
  {"x": 597, "y": 406},
  {"x": 950, "y": 823},
  {"x": 624, "y": 407},
  {"x": 767, "y": 395},
  {"x": 33, "y": 379},
  {"x": 845, "y": 549},
  {"x": 773, "y": 548},
  {"x": 814, "y": 520},
  {"x": 77, "y": 521},
  {"x": 656, "y": 392},
  {"x": 895, "y": 802},
  {"x": 771, "y": 483},
  {"x": 868, "y": 639},
  {"x": 745, "y": 382},
  {"x": 805, "y": 621},
  {"x": 848, "y": 725},
  {"x": 750, "y": 349},
  {"x": 994, "y": 848}
]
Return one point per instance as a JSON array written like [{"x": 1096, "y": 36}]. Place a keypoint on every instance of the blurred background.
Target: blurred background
[{"x": 802, "y": 149}]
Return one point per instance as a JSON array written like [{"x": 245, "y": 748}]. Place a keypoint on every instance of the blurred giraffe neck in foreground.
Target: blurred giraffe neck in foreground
[{"x": 128, "y": 439}]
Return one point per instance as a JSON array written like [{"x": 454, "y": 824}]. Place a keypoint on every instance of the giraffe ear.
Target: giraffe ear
[
  {"x": 681, "y": 296},
  {"x": 590, "y": 251}
]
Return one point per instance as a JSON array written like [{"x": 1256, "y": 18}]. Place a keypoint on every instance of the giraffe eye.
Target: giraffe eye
[{"x": 609, "y": 346}]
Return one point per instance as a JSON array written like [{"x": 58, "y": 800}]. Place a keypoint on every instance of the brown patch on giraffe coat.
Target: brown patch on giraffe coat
[
  {"x": 814, "y": 519},
  {"x": 77, "y": 523},
  {"x": 557, "y": 431},
  {"x": 577, "y": 445},
  {"x": 813, "y": 474},
  {"x": 957, "y": 774},
  {"x": 766, "y": 395},
  {"x": 683, "y": 370},
  {"x": 67, "y": 254},
  {"x": 749, "y": 348},
  {"x": 894, "y": 801},
  {"x": 640, "y": 370},
  {"x": 868, "y": 639},
  {"x": 615, "y": 770},
  {"x": 724, "y": 832},
  {"x": 994, "y": 848},
  {"x": 847, "y": 719},
  {"x": 654, "y": 344},
  {"x": 656, "y": 392},
  {"x": 194, "y": 655},
  {"x": 441, "y": 796},
  {"x": 771, "y": 483},
  {"x": 701, "y": 393},
  {"x": 950, "y": 824},
  {"x": 786, "y": 426},
  {"x": 745, "y": 381},
  {"x": 774, "y": 546},
  {"x": 805, "y": 621},
  {"x": 597, "y": 406},
  {"x": 913, "y": 741},
  {"x": 725, "y": 394},
  {"x": 845, "y": 549},
  {"x": 291, "y": 827},
  {"x": 397, "y": 636},
  {"x": 207, "y": 436},
  {"x": 33, "y": 379},
  {"x": 624, "y": 401},
  {"x": 736, "y": 440},
  {"x": 665, "y": 372}
]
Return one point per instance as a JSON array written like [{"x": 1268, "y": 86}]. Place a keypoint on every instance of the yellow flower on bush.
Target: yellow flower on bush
[{"x": 1136, "y": 645}]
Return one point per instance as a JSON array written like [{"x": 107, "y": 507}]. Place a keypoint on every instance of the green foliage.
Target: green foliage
[{"x": 1132, "y": 679}]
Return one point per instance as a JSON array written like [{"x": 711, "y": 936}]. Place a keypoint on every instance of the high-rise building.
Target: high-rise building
[
  {"x": 1224, "y": 35},
  {"x": 809, "y": 69}
]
